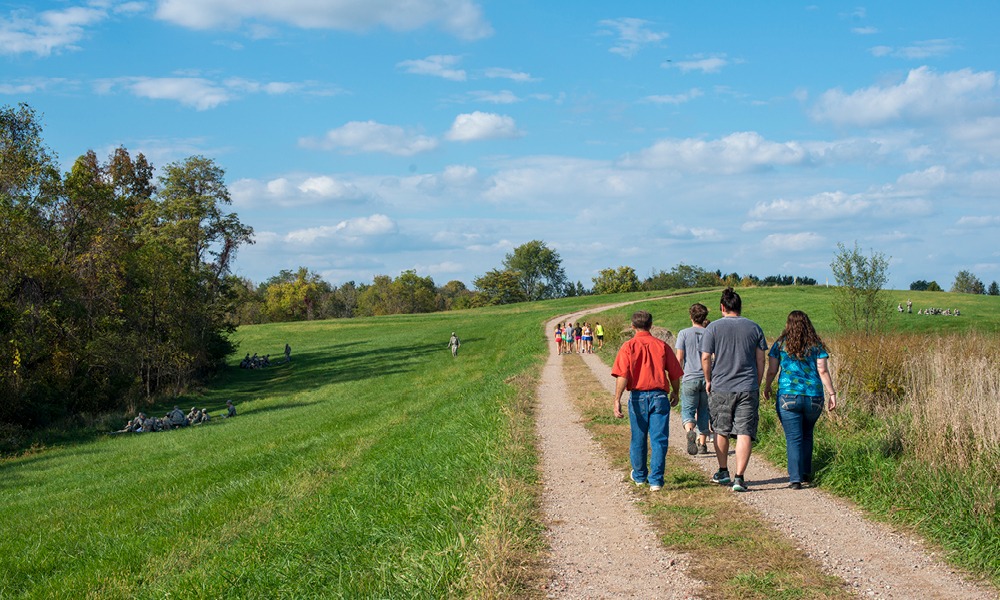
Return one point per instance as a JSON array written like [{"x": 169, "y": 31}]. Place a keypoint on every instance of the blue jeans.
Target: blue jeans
[
  {"x": 649, "y": 416},
  {"x": 798, "y": 415},
  {"x": 694, "y": 404}
]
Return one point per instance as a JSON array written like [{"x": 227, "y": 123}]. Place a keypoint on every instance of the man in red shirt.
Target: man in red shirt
[{"x": 646, "y": 366}]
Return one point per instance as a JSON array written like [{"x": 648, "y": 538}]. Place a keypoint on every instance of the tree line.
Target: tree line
[
  {"x": 532, "y": 271},
  {"x": 114, "y": 286}
]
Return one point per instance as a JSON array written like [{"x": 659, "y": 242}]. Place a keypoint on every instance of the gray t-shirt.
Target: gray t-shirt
[
  {"x": 689, "y": 340},
  {"x": 734, "y": 341}
]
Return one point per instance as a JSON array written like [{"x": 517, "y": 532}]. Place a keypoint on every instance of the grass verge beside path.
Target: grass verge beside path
[{"x": 736, "y": 554}]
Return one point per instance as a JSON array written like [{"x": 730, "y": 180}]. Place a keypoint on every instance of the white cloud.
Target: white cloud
[
  {"x": 482, "y": 126},
  {"x": 438, "y": 65},
  {"x": 864, "y": 30},
  {"x": 675, "y": 98},
  {"x": 917, "y": 51},
  {"x": 701, "y": 234},
  {"x": 705, "y": 64},
  {"x": 350, "y": 232},
  {"x": 48, "y": 31},
  {"x": 284, "y": 192},
  {"x": 369, "y": 136},
  {"x": 823, "y": 206},
  {"x": 195, "y": 92},
  {"x": 462, "y": 18},
  {"x": 632, "y": 35},
  {"x": 931, "y": 177},
  {"x": 500, "y": 73},
  {"x": 923, "y": 95},
  {"x": 737, "y": 152},
  {"x": 501, "y": 97},
  {"x": 981, "y": 221},
  {"x": 793, "y": 242},
  {"x": 199, "y": 92}
]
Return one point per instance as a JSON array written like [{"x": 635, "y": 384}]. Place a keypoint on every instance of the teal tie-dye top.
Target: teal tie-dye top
[{"x": 799, "y": 377}]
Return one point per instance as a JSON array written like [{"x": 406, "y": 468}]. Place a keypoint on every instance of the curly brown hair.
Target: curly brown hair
[{"x": 799, "y": 335}]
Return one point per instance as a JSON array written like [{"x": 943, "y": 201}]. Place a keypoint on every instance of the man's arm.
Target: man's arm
[
  {"x": 760, "y": 366},
  {"x": 620, "y": 384},
  {"x": 706, "y": 368}
]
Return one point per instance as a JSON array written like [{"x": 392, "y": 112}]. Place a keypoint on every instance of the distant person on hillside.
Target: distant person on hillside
[
  {"x": 454, "y": 343},
  {"x": 568, "y": 338},
  {"x": 647, "y": 368},
  {"x": 599, "y": 332},
  {"x": 559, "y": 339},
  {"x": 588, "y": 339},
  {"x": 578, "y": 337},
  {"x": 694, "y": 398},
  {"x": 288, "y": 353},
  {"x": 909, "y": 306},
  {"x": 732, "y": 380},
  {"x": 230, "y": 410},
  {"x": 802, "y": 358}
]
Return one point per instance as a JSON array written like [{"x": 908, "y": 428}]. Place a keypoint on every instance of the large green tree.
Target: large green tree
[
  {"x": 538, "y": 268},
  {"x": 614, "y": 281},
  {"x": 500, "y": 287},
  {"x": 967, "y": 283}
]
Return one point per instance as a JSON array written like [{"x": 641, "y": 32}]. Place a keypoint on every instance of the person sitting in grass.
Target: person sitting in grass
[{"x": 230, "y": 410}]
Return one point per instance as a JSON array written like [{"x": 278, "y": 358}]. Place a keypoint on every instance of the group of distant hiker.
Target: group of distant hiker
[
  {"x": 716, "y": 373},
  {"x": 175, "y": 419},
  {"x": 259, "y": 362},
  {"x": 928, "y": 311},
  {"x": 578, "y": 339}
]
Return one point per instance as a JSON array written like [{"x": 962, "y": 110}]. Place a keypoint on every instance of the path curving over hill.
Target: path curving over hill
[{"x": 600, "y": 540}]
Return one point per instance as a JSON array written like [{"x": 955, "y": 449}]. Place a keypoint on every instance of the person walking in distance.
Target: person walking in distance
[
  {"x": 732, "y": 359},
  {"x": 802, "y": 357},
  {"x": 454, "y": 343},
  {"x": 646, "y": 367}
]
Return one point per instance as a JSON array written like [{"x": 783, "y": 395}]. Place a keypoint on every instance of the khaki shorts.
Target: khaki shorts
[{"x": 735, "y": 413}]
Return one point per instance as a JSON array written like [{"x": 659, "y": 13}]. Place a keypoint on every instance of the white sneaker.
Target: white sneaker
[{"x": 655, "y": 488}]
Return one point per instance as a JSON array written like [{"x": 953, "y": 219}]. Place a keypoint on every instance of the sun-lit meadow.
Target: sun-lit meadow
[
  {"x": 371, "y": 465},
  {"x": 375, "y": 465},
  {"x": 917, "y": 438}
]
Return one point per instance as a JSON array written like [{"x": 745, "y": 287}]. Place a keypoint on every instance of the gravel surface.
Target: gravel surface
[{"x": 600, "y": 541}]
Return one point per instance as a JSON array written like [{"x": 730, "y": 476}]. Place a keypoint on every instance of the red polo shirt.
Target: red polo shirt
[{"x": 647, "y": 363}]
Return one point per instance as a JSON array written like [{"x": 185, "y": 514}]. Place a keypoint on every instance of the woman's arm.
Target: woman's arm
[
  {"x": 772, "y": 370},
  {"x": 824, "y": 375}
]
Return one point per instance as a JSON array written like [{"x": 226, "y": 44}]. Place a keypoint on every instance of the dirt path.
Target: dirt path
[{"x": 600, "y": 540}]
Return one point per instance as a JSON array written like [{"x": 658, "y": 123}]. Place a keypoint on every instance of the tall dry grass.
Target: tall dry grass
[{"x": 942, "y": 391}]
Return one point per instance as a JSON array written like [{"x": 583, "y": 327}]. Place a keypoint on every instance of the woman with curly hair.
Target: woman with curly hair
[{"x": 802, "y": 358}]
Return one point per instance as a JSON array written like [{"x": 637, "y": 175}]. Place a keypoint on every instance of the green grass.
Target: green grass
[
  {"x": 364, "y": 468},
  {"x": 371, "y": 466}
]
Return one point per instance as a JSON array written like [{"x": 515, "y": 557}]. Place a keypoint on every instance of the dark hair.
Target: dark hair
[
  {"x": 642, "y": 320},
  {"x": 799, "y": 336},
  {"x": 698, "y": 314},
  {"x": 731, "y": 301}
]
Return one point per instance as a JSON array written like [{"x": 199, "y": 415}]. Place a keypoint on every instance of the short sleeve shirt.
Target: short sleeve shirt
[
  {"x": 689, "y": 340},
  {"x": 734, "y": 341},
  {"x": 799, "y": 377},
  {"x": 647, "y": 363}
]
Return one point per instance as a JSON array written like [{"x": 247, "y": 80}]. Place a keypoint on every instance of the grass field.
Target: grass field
[{"x": 371, "y": 466}]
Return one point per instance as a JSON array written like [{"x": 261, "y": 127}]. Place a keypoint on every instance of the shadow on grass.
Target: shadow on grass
[
  {"x": 309, "y": 370},
  {"x": 351, "y": 361}
]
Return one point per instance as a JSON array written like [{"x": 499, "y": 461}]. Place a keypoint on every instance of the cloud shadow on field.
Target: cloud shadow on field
[{"x": 308, "y": 370}]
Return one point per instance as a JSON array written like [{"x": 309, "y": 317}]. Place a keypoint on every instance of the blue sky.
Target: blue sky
[{"x": 365, "y": 137}]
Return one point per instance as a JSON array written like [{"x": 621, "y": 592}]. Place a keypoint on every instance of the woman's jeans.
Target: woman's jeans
[
  {"x": 694, "y": 404},
  {"x": 649, "y": 415},
  {"x": 798, "y": 415}
]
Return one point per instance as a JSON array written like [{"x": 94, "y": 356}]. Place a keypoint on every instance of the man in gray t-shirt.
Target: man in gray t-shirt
[{"x": 733, "y": 384}]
